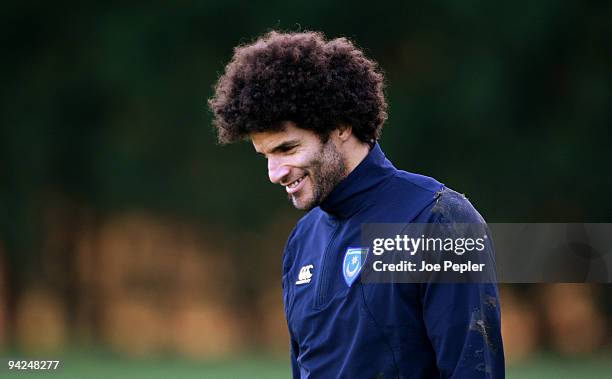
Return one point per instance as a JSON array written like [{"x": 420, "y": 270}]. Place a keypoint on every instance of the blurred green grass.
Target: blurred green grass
[{"x": 102, "y": 366}]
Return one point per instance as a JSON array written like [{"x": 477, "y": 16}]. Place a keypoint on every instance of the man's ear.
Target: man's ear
[{"x": 345, "y": 131}]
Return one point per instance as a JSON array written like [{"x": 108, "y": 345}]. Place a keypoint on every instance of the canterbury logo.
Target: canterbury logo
[{"x": 305, "y": 275}]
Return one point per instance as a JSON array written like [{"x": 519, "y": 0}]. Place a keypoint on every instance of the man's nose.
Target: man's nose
[{"x": 276, "y": 170}]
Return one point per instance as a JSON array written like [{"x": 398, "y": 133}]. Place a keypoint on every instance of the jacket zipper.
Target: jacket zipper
[{"x": 323, "y": 283}]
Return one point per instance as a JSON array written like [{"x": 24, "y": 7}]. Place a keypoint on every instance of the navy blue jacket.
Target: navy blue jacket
[{"x": 386, "y": 330}]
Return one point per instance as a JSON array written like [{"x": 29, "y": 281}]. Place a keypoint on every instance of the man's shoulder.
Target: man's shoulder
[
  {"x": 417, "y": 182},
  {"x": 437, "y": 202},
  {"x": 404, "y": 196},
  {"x": 451, "y": 206}
]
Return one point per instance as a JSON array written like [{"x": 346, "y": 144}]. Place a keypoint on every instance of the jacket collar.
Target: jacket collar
[{"x": 354, "y": 191}]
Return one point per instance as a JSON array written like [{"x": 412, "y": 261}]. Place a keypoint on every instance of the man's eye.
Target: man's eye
[{"x": 288, "y": 149}]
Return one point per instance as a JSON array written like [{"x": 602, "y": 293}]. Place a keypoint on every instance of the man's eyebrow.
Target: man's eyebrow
[{"x": 284, "y": 146}]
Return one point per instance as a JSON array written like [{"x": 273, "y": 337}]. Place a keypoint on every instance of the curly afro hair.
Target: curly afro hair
[{"x": 303, "y": 78}]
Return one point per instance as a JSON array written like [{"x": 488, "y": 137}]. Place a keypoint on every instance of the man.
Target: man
[{"x": 315, "y": 109}]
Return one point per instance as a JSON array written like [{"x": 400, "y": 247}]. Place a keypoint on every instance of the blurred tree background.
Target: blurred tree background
[{"x": 123, "y": 223}]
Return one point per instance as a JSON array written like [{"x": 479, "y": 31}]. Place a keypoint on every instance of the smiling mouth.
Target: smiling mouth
[{"x": 295, "y": 185}]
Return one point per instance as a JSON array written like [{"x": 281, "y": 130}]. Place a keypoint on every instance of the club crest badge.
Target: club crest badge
[{"x": 353, "y": 262}]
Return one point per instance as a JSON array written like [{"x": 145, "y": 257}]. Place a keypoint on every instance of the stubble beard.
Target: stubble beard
[{"x": 325, "y": 170}]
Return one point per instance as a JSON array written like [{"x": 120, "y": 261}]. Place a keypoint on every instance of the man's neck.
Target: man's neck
[{"x": 355, "y": 154}]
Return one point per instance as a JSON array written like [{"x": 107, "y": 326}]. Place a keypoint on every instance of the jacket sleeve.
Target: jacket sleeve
[
  {"x": 294, "y": 347},
  {"x": 462, "y": 320},
  {"x": 295, "y": 370},
  {"x": 463, "y": 324}
]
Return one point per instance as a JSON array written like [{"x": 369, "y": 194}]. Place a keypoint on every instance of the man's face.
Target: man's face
[{"x": 300, "y": 162}]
